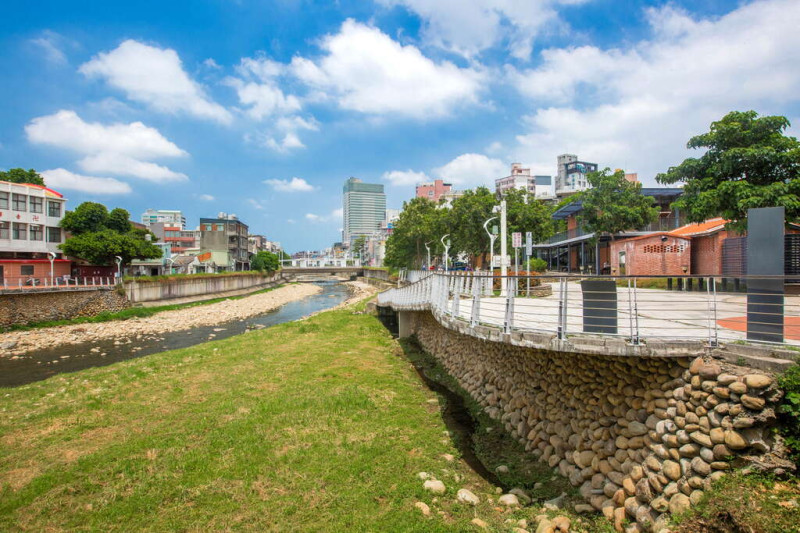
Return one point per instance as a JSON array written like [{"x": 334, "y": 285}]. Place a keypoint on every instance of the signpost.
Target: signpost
[{"x": 516, "y": 242}]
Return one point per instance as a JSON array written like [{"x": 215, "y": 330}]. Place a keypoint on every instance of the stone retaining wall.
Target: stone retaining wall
[
  {"x": 25, "y": 308},
  {"x": 641, "y": 437}
]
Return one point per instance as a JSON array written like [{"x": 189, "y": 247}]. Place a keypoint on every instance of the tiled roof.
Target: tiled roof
[{"x": 709, "y": 226}]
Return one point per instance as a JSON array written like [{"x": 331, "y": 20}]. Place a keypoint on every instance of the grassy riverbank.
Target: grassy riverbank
[{"x": 314, "y": 425}]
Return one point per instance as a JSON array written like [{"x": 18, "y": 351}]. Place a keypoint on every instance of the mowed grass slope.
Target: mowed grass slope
[{"x": 315, "y": 426}]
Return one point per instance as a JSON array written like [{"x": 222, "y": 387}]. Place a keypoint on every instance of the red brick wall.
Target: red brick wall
[
  {"x": 651, "y": 256},
  {"x": 12, "y": 270},
  {"x": 707, "y": 254}
]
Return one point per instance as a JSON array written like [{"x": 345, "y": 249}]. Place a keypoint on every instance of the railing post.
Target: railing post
[
  {"x": 636, "y": 339},
  {"x": 562, "y": 309},
  {"x": 476, "y": 301},
  {"x": 456, "y": 296},
  {"x": 511, "y": 291},
  {"x": 711, "y": 287}
]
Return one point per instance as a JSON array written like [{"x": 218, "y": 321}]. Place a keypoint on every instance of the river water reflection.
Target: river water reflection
[{"x": 42, "y": 364}]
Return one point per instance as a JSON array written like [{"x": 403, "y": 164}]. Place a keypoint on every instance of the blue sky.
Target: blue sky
[{"x": 263, "y": 109}]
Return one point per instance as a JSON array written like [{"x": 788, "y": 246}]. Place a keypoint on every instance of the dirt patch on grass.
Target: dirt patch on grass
[{"x": 19, "y": 477}]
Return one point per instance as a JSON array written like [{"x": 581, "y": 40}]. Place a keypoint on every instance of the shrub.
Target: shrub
[
  {"x": 789, "y": 410},
  {"x": 537, "y": 265}
]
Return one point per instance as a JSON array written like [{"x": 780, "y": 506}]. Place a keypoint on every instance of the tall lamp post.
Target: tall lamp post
[
  {"x": 171, "y": 262},
  {"x": 52, "y": 257},
  {"x": 503, "y": 249},
  {"x": 428, "y": 249},
  {"x": 446, "y": 249},
  {"x": 119, "y": 268},
  {"x": 492, "y": 237}
]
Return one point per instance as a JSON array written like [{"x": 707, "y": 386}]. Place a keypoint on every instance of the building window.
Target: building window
[
  {"x": 3, "y": 200},
  {"x": 36, "y": 204},
  {"x": 19, "y": 232},
  {"x": 53, "y": 209},
  {"x": 4, "y": 226},
  {"x": 19, "y": 202},
  {"x": 26, "y": 270},
  {"x": 53, "y": 234},
  {"x": 37, "y": 232}
]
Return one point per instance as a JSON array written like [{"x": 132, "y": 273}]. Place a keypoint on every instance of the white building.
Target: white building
[
  {"x": 167, "y": 217},
  {"x": 520, "y": 178},
  {"x": 572, "y": 173}
]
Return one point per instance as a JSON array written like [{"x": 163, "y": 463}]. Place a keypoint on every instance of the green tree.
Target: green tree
[
  {"x": 748, "y": 163},
  {"x": 265, "y": 262},
  {"x": 466, "y": 217},
  {"x": 99, "y": 236},
  {"x": 20, "y": 175},
  {"x": 420, "y": 221},
  {"x": 614, "y": 204},
  {"x": 525, "y": 214}
]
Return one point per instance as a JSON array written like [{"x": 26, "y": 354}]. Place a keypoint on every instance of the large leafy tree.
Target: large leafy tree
[
  {"x": 467, "y": 216},
  {"x": 748, "y": 163},
  {"x": 20, "y": 175},
  {"x": 420, "y": 221},
  {"x": 614, "y": 204},
  {"x": 99, "y": 236},
  {"x": 525, "y": 214},
  {"x": 265, "y": 262}
]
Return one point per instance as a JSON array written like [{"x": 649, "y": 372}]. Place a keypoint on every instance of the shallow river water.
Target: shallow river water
[{"x": 42, "y": 364}]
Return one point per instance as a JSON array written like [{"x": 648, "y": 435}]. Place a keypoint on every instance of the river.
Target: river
[{"x": 42, "y": 364}]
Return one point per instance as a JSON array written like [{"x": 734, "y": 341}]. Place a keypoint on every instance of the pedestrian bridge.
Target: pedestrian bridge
[{"x": 610, "y": 315}]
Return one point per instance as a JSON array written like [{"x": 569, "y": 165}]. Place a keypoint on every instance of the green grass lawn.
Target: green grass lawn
[{"x": 319, "y": 425}]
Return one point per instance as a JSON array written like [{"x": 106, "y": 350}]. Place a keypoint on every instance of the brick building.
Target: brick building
[
  {"x": 433, "y": 190},
  {"x": 657, "y": 254}
]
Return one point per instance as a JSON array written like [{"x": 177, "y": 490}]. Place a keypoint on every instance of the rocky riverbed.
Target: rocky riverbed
[{"x": 17, "y": 343}]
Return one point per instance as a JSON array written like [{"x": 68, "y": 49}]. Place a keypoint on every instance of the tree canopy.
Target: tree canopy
[
  {"x": 99, "y": 236},
  {"x": 748, "y": 163},
  {"x": 20, "y": 175},
  {"x": 422, "y": 221},
  {"x": 265, "y": 262},
  {"x": 614, "y": 204}
]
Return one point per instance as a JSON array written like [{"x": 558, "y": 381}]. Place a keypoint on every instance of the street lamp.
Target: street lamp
[
  {"x": 119, "y": 268},
  {"x": 427, "y": 248},
  {"x": 446, "y": 249},
  {"x": 171, "y": 262},
  {"x": 52, "y": 258},
  {"x": 503, "y": 248},
  {"x": 492, "y": 237}
]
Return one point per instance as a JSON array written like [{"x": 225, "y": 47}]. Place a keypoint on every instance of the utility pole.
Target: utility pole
[{"x": 503, "y": 249}]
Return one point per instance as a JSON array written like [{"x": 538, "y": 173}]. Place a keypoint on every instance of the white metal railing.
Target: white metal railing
[
  {"x": 30, "y": 283},
  {"x": 686, "y": 308}
]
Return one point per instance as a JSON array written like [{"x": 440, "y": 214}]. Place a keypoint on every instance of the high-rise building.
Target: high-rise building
[
  {"x": 364, "y": 207},
  {"x": 165, "y": 216},
  {"x": 433, "y": 190},
  {"x": 520, "y": 178},
  {"x": 572, "y": 173}
]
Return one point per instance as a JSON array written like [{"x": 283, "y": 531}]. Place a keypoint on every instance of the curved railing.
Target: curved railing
[{"x": 708, "y": 309}]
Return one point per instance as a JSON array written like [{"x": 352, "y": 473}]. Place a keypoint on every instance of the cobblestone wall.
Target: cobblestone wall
[
  {"x": 57, "y": 305},
  {"x": 641, "y": 437}
]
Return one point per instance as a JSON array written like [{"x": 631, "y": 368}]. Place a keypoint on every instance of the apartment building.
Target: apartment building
[
  {"x": 520, "y": 178},
  {"x": 433, "y": 190},
  {"x": 30, "y": 218},
  {"x": 572, "y": 173},
  {"x": 164, "y": 216},
  {"x": 228, "y": 234},
  {"x": 364, "y": 208}
]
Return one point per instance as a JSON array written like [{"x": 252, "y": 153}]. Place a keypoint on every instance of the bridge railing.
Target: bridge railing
[
  {"x": 638, "y": 309},
  {"x": 31, "y": 283}
]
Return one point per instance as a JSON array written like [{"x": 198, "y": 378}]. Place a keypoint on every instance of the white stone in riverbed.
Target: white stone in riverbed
[
  {"x": 467, "y": 496},
  {"x": 435, "y": 486},
  {"x": 509, "y": 500},
  {"x": 423, "y": 507}
]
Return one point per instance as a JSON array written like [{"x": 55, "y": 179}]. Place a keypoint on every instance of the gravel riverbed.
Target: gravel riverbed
[{"x": 16, "y": 343}]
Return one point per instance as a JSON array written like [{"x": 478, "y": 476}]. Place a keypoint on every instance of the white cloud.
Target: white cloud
[
  {"x": 119, "y": 149},
  {"x": 295, "y": 123},
  {"x": 472, "y": 170},
  {"x": 154, "y": 76},
  {"x": 51, "y": 44},
  {"x": 399, "y": 178},
  {"x": 263, "y": 100},
  {"x": 293, "y": 185},
  {"x": 121, "y": 165},
  {"x": 255, "y": 204},
  {"x": 636, "y": 107},
  {"x": 370, "y": 73},
  {"x": 206, "y": 197},
  {"x": 210, "y": 63},
  {"x": 334, "y": 215},
  {"x": 468, "y": 28},
  {"x": 60, "y": 178},
  {"x": 289, "y": 142}
]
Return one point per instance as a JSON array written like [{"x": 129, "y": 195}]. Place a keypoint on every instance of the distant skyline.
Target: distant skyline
[{"x": 264, "y": 109}]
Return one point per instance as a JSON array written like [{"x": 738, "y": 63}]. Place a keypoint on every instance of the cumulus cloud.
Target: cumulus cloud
[
  {"x": 399, "y": 178},
  {"x": 155, "y": 77},
  {"x": 119, "y": 149},
  {"x": 370, "y": 73},
  {"x": 293, "y": 185},
  {"x": 289, "y": 142},
  {"x": 334, "y": 215},
  {"x": 636, "y": 107},
  {"x": 60, "y": 178},
  {"x": 472, "y": 170},
  {"x": 468, "y": 28}
]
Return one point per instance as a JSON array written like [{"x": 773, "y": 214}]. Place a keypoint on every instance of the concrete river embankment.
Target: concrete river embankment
[{"x": 39, "y": 354}]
